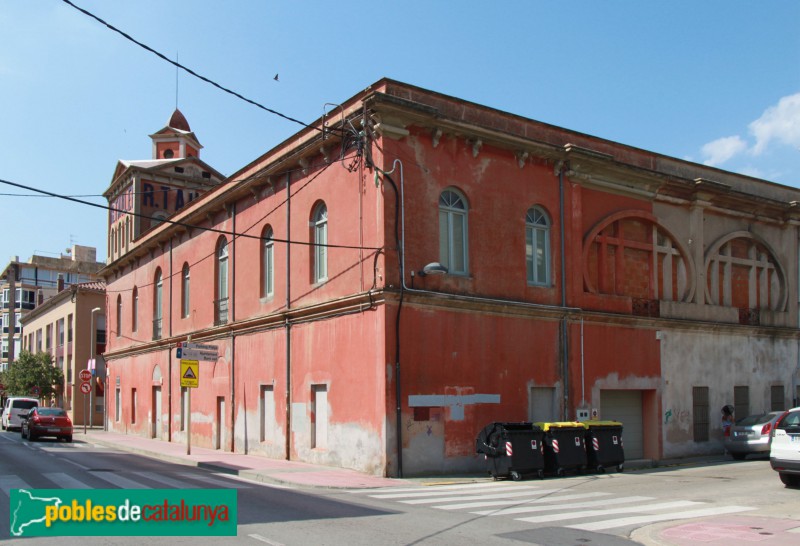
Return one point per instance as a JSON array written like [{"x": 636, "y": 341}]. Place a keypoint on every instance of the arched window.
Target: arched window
[
  {"x": 319, "y": 223},
  {"x": 537, "y": 246},
  {"x": 113, "y": 240},
  {"x": 135, "y": 310},
  {"x": 267, "y": 263},
  {"x": 119, "y": 315},
  {"x": 185, "y": 291},
  {"x": 157, "y": 304},
  {"x": 221, "y": 300},
  {"x": 453, "y": 246}
]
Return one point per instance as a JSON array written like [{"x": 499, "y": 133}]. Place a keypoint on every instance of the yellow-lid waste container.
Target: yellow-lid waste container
[
  {"x": 564, "y": 446},
  {"x": 604, "y": 447}
]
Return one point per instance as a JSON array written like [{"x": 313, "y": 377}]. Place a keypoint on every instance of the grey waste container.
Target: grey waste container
[{"x": 512, "y": 450}]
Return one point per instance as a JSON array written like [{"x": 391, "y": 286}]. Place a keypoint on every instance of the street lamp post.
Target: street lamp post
[{"x": 92, "y": 349}]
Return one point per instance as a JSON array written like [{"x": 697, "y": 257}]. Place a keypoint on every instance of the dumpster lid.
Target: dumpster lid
[
  {"x": 592, "y": 423},
  {"x": 560, "y": 424}
]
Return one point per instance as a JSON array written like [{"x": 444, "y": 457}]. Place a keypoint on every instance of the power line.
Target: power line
[
  {"x": 189, "y": 70},
  {"x": 179, "y": 223}
]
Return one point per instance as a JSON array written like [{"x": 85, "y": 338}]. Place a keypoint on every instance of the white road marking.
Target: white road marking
[
  {"x": 65, "y": 481},
  {"x": 637, "y": 520},
  {"x": 10, "y": 481},
  {"x": 620, "y": 510},
  {"x": 120, "y": 481},
  {"x": 439, "y": 493},
  {"x": 265, "y": 539},
  {"x": 533, "y": 500}
]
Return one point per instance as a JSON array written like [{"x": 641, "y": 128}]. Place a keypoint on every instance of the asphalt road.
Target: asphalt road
[{"x": 601, "y": 510}]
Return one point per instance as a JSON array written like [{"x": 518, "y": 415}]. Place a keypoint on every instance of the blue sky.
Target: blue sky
[{"x": 714, "y": 82}]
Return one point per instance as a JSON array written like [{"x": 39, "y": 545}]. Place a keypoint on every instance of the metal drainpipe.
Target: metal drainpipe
[
  {"x": 288, "y": 323},
  {"x": 233, "y": 319},
  {"x": 169, "y": 349},
  {"x": 564, "y": 331}
]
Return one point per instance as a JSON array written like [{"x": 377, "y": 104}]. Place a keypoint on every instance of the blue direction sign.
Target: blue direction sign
[{"x": 207, "y": 353}]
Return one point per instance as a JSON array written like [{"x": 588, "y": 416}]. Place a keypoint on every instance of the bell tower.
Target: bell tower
[{"x": 176, "y": 140}]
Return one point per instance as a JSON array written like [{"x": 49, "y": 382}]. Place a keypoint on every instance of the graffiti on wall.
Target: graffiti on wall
[{"x": 677, "y": 417}]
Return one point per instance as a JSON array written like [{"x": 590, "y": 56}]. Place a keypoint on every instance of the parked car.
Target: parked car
[
  {"x": 40, "y": 422},
  {"x": 14, "y": 408},
  {"x": 751, "y": 434},
  {"x": 784, "y": 454}
]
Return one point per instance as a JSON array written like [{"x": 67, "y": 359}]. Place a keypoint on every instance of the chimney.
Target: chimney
[{"x": 60, "y": 283}]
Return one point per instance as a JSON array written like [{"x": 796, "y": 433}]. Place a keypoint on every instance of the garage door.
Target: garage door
[{"x": 625, "y": 407}]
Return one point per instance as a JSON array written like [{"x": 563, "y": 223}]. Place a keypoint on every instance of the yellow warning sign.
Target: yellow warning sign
[{"x": 190, "y": 373}]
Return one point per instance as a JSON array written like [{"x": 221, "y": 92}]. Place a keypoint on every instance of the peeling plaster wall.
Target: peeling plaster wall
[{"x": 719, "y": 361}]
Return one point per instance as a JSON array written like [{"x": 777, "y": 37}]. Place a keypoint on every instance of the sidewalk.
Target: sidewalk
[
  {"x": 253, "y": 467},
  {"x": 278, "y": 471}
]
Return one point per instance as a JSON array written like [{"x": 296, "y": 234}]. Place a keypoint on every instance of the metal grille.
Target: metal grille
[
  {"x": 777, "y": 402},
  {"x": 700, "y": 413},
  {"x": 741, "y": 402}
]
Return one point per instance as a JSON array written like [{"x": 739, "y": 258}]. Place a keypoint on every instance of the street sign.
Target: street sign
[
  {"x": 190, "y": 374},
  {"x": 35, "y": 390},
  {"x": 85, "y": 375},
  {"x": 207, "y": 355},
  {"x": 199, "y": 346},
  {"x": 86, "y": 388}
]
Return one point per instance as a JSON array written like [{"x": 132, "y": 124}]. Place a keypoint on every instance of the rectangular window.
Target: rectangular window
[
  {"x": 60, "y": 332},
  {"x": 69, "y": 329},
  {"x": 777, "y": 402},
  {"x": 700, "y": 413},
  {"x": 184, "y": 406},
  {"x": 267, "y": 411},
  {"x": 319, "y": 416},
  {"x": 741, "y": 402},
  {"x": 117, "y": 404},
  {"x": 133, "y": 406},
  {"x": 48, "y": 340}
]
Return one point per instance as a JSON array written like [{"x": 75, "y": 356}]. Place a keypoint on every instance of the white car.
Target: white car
[
  {"x": 784, "y": 454},
  {"x": 13, "y": 408}
]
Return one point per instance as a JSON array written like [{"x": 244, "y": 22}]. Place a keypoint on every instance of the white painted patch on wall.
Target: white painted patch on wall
[{"x": 455, "y": 402}]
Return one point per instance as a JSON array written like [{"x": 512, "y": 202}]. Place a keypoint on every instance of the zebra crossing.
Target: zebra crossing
[
  {"x": 123, "y": 480},
  {"x": 544, "y": 504}
]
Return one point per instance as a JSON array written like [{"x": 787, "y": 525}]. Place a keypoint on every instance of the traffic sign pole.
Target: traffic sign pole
[{"x": 85, "y": 376}]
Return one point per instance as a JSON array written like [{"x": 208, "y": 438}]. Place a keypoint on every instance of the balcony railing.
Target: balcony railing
[
  {"x": 221, "y": 311},
  {"x": 157, "y": 328}
]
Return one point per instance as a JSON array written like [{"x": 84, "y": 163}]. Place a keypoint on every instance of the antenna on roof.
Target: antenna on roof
[{"x": 176, "y": 80}]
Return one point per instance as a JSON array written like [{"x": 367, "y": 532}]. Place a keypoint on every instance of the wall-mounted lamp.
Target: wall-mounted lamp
[{"x": 433, "y": 268}]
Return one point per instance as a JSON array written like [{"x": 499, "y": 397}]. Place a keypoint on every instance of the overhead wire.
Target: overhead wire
[{"x": 187, "y": 69}]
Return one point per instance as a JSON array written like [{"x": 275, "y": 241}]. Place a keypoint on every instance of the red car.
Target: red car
[{"x": 40, "y": 422}]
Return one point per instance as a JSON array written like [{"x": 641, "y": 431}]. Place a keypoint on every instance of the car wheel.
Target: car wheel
[
  {"x": 516, "y": 476},
  {"x": 739, "y": 456},
  {"x": 31, "y": 436},
  {"x": 22, "y": 432},
  {"x": 789, "y": 480},
  {"x": 68, "y": 439}
]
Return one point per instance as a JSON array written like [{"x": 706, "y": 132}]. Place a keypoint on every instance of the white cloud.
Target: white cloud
[
  {"x": 779, "y": 123},
  {"x": 719, "y": 151}
]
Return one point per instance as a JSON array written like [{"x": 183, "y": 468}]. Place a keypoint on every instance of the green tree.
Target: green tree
[{"x": 32, "y": 370}]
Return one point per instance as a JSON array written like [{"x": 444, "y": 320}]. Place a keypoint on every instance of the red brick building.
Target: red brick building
[{"x": 413, "y": 266}]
